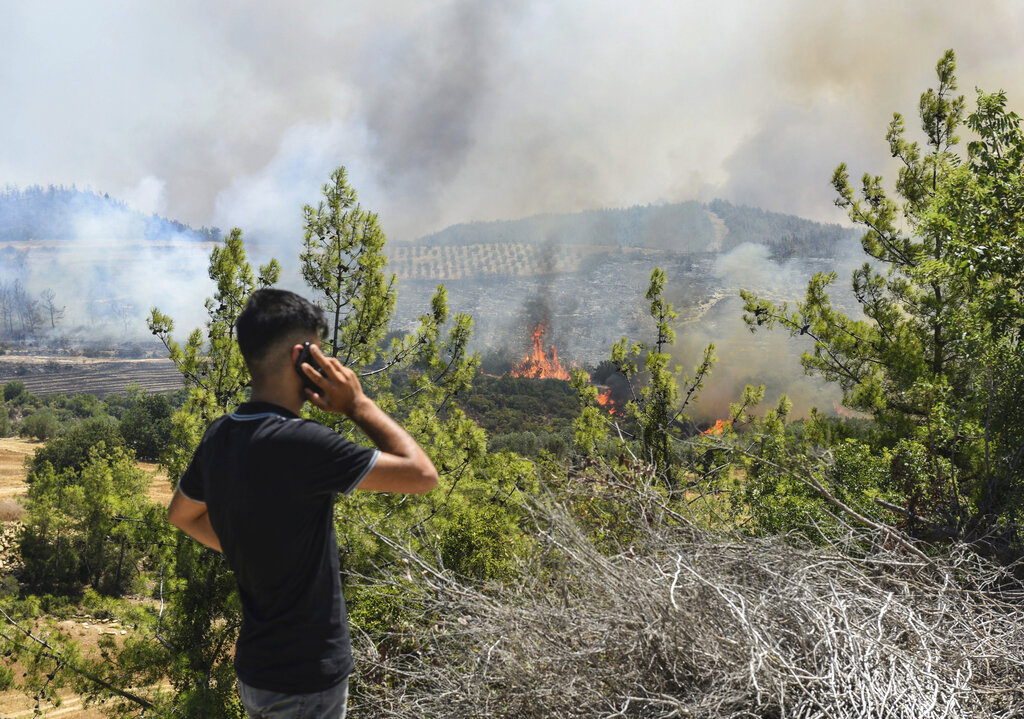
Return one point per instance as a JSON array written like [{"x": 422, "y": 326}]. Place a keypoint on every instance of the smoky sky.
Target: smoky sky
[{"x": 235, "y": 113}]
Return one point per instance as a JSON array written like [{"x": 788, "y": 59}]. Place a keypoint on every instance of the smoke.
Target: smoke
[
  {"x": 107, "y": 266},
  {"x": 768, "y": 357},
  {"x": 459, "y": 110}
]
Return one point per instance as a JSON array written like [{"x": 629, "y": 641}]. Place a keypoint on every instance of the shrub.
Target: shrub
[
  {"x": 13, "y": 390},
  {"x": 42, "y": 425},
  {"x": 146, "y": 426},
  {"x": 71, "y": 449}
]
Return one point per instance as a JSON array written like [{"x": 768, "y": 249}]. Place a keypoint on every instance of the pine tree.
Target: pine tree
[{"x": 936, "y": 359}]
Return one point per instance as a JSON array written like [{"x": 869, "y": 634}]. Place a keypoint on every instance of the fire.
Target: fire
[
  {"x": 540, "y": 363},
  {"x": 841, "y": 411},
  {"x": 605, "y": 400},
  {"x": 718, "y": 427}
]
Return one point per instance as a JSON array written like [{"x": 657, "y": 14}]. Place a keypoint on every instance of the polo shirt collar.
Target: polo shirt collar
[{"x": 249, "y": 408}]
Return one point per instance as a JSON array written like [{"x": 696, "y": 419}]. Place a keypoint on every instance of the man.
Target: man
[{"x": 261, "y": 488}]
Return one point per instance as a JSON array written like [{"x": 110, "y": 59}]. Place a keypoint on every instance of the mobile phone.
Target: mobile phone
[{"x": 306, "y": 356}]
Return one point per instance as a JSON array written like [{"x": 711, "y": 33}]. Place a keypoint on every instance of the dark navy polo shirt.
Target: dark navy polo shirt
[{"x": 269, "y": 479}]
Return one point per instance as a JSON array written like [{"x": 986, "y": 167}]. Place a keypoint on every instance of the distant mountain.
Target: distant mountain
[
  {"x": 686, "y": 227},
  {"x": 63, "y": 213}
]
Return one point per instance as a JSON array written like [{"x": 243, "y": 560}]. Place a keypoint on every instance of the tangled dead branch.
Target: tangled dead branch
[{"x": 682, "y": 623}]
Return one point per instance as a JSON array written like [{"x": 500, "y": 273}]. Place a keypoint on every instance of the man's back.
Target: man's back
[
  {"x": 269, "y": 480},
  {"x": 261, "y": 488}
]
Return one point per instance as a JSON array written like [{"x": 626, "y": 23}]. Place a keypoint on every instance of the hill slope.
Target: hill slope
[{"x": 67, "y": 213}]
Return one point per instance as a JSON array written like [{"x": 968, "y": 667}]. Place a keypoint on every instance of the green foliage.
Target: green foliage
[
  {"x": 73, "y": 448},
  {"x": 87, "y": 525},
  {"x": 343, "y": 261},
  {"x": 936, "y": 359},
  {"x": 529, "y": 443},
  {"x": 13, "y": 391},
  {"x": 475, "y": 541},
  {"x": 79, "y": 406},
  {"x": 41, "y": 425},
  {"x": 655, "y": 412},
  {"x": 499, "y": 404},
  {"x": 590, "y": 428},
  {"x": 6, "y": 678},
  {"x": 146, "y": 426}
]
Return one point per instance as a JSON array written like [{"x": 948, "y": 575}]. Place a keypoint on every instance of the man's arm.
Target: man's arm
[
  {"x": 192, "y": 518},
  {"x": 403, "y": 466}
]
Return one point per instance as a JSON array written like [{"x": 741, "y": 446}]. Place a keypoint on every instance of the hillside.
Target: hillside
[
  {"x": 67, "y": 213},
  {"x": 679, "y": 227},
  {"x": 586, "y": 273}
]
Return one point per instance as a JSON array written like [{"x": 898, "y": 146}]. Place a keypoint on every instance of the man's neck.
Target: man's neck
[{"x": 276, "y": 394}]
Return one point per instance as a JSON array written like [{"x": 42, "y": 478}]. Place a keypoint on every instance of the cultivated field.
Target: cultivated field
[
  {"x": 503, "y": 259},
  {"x": 47, "y": 375}
]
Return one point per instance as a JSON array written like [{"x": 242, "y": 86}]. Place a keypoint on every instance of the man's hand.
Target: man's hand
[
  {"x": 340, "y": 390},
  {"x": 402, "y": 466}
]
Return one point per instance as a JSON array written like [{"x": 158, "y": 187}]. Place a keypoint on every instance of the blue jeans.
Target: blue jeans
[{"x": 263, "y": 704}]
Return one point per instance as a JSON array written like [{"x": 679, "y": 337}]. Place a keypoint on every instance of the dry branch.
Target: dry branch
[{"x": 683, "y": 623}]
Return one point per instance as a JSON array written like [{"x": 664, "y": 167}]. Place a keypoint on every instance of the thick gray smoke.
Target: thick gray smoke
[
  {"x": 453, "y": 111},
  {"x": 459, "y": 110}
]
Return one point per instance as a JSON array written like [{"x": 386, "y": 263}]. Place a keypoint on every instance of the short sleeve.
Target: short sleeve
[
  {"x": 191, "y": 482},
  {"x": 334, "y": 463}
]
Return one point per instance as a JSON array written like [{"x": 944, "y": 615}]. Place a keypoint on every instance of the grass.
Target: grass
[{"x": 10, "y": 510}]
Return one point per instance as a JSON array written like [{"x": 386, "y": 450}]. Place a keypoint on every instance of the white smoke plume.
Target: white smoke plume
[{"x": 457, "y": 110}]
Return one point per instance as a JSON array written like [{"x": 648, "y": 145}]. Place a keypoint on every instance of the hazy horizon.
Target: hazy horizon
[{"x": 458, "y": 112}]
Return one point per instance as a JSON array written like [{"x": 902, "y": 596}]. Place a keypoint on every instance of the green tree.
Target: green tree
[
  {"x": 344, "y": 265},
  {"x": 936, "y": 359},
  {"x": 343, "y": 262},
  {"x": 146, "y": 425},
  {"x": 73, "y": 448},
  {"x": 87, "y": 525},
  {"x": 41, "y": 425},
  {"x": 657, "y": 414}
]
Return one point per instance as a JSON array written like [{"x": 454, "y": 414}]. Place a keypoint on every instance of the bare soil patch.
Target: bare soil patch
[{"x": 13, "y": 453}]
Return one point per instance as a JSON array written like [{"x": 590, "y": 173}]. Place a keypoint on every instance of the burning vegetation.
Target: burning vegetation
[
  {"x": 718, "y": 427},
  {"x": 541, "y": 363}
]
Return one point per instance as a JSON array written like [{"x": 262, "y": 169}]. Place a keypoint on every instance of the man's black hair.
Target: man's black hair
[{"x": 271, "y": 315}]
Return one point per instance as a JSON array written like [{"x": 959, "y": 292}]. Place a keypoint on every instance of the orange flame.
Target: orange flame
[
  {"x": 841, "y": 411},
  {"x": 718, "y": 427},
  {"x": 605, "y": 400},
  {"x": 540, "y": 364}
]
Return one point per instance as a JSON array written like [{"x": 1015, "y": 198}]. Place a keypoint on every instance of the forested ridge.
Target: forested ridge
[
  {"x": 58, "y": 213},
  {"x": 597, "y": 562},
  {"x": 680, "y": 227}
]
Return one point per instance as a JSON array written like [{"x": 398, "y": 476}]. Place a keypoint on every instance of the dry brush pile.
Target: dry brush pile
[{"x": 678, "y": 622}]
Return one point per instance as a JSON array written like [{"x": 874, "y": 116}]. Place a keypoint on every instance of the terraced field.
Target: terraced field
[
  {"x": 45, "y": 375},
  {"x": 504, "y": 259}
]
